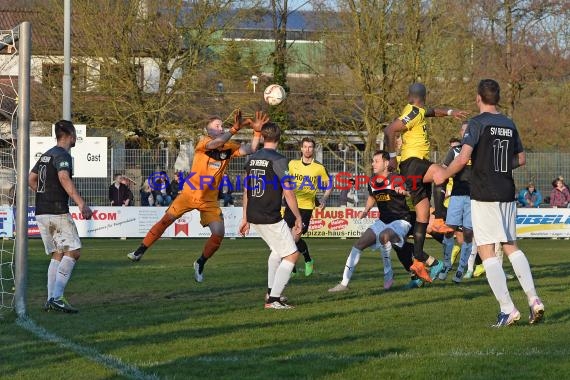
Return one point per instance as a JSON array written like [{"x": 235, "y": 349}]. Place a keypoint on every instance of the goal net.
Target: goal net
[{"x": 8, "y": 121}]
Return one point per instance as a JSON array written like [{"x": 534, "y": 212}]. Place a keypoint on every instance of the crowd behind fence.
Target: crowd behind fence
[{"x": 139, "y": 164}]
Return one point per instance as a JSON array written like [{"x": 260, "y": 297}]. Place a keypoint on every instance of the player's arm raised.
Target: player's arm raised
[
  {"x": 226, "y": 136},
  {"x": 391, "y": 132},
  {"x": 442, "y": 112},
  {"x": 260, "y": 119},
  {"x": 243, "y": 228}
]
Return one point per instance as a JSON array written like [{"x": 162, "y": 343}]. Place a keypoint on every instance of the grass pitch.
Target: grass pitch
[{"x": 151, "y": 320}]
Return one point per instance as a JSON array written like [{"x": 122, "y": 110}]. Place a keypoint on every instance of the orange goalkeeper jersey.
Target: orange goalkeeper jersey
[{"x": 208, "y": 168}]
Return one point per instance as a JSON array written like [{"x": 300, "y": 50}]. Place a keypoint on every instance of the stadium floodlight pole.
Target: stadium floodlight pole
[
  {"x": 23, "y": 154},
  {"x": 67, "y": 60}
]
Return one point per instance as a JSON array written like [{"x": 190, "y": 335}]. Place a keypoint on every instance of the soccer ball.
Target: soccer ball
[{"x": 274, "y": 94}]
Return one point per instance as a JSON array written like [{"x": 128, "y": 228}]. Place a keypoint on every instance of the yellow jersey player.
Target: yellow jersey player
[
  {"x": 416, "y": 167},
  {"x": 310, "y": 176}
]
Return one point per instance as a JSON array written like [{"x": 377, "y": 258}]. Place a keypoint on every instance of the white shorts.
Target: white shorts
[
  {"x": 58, "y": 232},
  {"x": 494, "y": 222},
  {"x": 278, "y": 237},
  {"x": 400, "y": 227}
]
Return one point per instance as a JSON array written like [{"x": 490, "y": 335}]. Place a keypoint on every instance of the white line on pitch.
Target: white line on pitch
[{"x": 108, "y": 361}]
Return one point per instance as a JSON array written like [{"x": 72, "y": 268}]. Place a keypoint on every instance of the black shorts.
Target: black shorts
[
  {"x": 414, "y": 170},
  {"x": 305, "y": 217}
]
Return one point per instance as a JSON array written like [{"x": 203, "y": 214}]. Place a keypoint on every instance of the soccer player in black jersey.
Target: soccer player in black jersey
[
  {"x": 387, "y": 192},
  {"x": 267, "y": 182},
  {"x": 51, "y": 179},
  {"x": 493, "y": 144}
]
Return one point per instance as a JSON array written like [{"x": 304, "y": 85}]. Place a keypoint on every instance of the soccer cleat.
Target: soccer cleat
[
  {"x": 419, "y": 269},
  {"x": 458, "y": 277},
  {"x": 536, "y": 312},
  {"x": 281, "y": 298},
  {"x": 388, "y": 284},
  {"x": 468, "y": 274},
  {"x": 198, "y": 275},
  {"x": 440, "y": 226},
  {"x": 435, "y": 270},
  {"x": 133, "y": 257},
  {"x": 509, "y": 276},
  {"x": 61, "y": 304},
  {"x": 415, "y": 283},
  {"x": 309, "y": 268},
  {"x": 455, "y": 252},
  {"x": 338, "y": 288},
  {"x": 479, "y": 270},
  {"x": 504, "y": 319},
  {"x": 443, "y": 274},
  {"x": 278, "y": 305}
]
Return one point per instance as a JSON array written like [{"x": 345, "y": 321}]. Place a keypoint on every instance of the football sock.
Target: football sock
[
  {"x": 472, "y": 257},
  {"x": 156, "y": 231},
  {"x": 431, "y": 261},
  {"x": 522, "y": 270},
  {"x": 51, "y": 274},
  {"x": 498, "y": 283},
  {"x": 465, "y": 254},
  {"x": 201, "y": 262},
  {"x": 212, "y": 245},
  {"x": 405, "y": 254},
  {"x": 272, "y": 264},
  {"x": 438, "y": 198},
  {"x": 385, "y": 250},
  {"x": 478, "y": 260},
  {"x": 419, "y": 239},
  {"x": 447, "y": 248},
  {"x": 282, "y": 276},
  {"x": 350, "y": 265},
  {"x": 304, "y": 249},
  {"x": 63, "y": 275},
  {"x": 437, "y": 236},
  {"x": 141, "y": 250}
]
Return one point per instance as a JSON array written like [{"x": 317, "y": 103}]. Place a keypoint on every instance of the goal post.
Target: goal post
[{"x": 22, "y": 167}]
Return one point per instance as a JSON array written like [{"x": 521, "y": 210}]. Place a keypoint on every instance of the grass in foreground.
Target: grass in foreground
[{"x": 153, "y": 315}]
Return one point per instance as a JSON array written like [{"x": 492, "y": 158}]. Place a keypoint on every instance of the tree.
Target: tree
[{"x": 146, "y": 63}]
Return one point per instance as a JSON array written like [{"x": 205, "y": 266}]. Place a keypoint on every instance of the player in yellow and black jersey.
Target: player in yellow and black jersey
[
  {"x": 310, "y": 177},
  {"x": 415, "y": 165}
]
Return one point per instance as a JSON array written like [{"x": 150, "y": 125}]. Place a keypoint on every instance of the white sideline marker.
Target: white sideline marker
[{"x": 108, "y": 361}]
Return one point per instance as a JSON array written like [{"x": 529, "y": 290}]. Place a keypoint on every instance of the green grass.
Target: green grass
[{"x": 153, "y": 315}]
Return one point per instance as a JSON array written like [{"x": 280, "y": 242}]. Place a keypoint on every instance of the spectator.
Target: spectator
[
  {"x": 530, "y": 197},
  {"x": 119, "y": 192},
  {"x": 163, "y": 191},
  {"x": 226, "y": 191},
  {"x": 147, "y": 199},
  {"x": 343, "y": 196},
  {"x": 130, "y": 197},
  {"x": 562, "y": 179},
  {"x": 175, "y": 184},
  {"x": 559, "y": 196}
]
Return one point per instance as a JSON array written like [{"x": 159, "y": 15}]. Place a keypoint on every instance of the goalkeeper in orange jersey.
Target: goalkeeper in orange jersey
[{"x": 211, "y": 158}]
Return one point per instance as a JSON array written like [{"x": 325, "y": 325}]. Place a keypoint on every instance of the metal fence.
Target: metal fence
[{"x": 138, "y": 164}]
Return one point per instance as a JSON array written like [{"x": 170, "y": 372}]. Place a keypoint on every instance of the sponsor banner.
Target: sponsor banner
[
  {"x": 343, "y": 222},
  {"x": 543, "y": 222},
  {"x": 6, "y": 221},
  {"x": 33, "y": 229},
  {"x": 332, "y": 222},
  {"x": 136, "y": 221}
]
